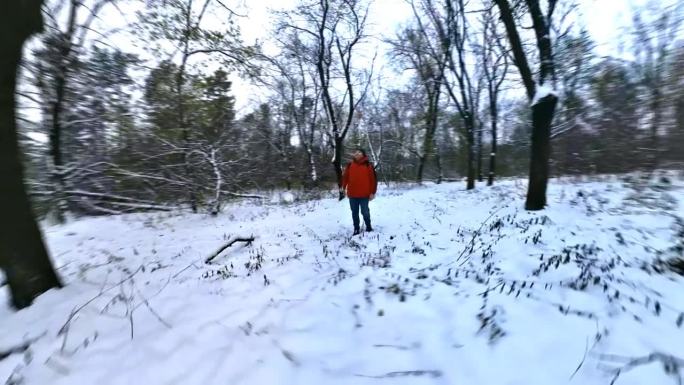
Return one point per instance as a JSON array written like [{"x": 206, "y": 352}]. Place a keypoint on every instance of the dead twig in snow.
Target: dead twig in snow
[
  {"x": 154, "y": 312},
  {"x": 227, "y": 245},
  {"x": 597, "y": 339},
  {"x": 405, "y": 373},
  {"x": 471, "y": 243},
  {"x": 130, "y": 319},
  {"x": 185, "y": 268},
  {"x": 75, "y": 311},
  {"x": 129, "y": 310},
  {"x": 586, "y": 349}
]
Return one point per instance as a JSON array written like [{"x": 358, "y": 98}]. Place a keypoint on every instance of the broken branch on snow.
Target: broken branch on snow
[{"x": 248, "y": 241}]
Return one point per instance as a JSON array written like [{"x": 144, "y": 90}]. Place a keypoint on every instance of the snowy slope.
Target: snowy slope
[{"x": 456, "y": 287}]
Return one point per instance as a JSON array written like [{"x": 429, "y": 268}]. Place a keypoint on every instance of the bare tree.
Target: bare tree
[
  {"x": 296, "y": 85},
  {"x": 373, "y": 126},
  {"x": 541, "y": 93},
  {"x": 23, "y": 256},
  {"x": 402, "y": 112},
  {"x": 335, "y": 29},
  {"x": 655, "y": 29},
  {"x": 494, "y": 59},
  {"x": 63, "y": 45},
  {"x": 449, "y": 25},
  {"x": 413, "y": 47}
]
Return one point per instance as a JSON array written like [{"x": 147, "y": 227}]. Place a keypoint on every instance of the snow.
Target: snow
[
  {"x": 543, "y": 90},
  {"x": 308, "y": 304}
]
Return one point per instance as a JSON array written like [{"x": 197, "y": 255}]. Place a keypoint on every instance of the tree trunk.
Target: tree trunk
[
  {"x": 337, "y": 163},
  {"x": 470, "y": 184},
  {"x": 290, "y": 171},
  {"x": 216, "y": 207},
  {"x": 480, "y": 177},
  {"x": 655, "y": 125},
  {"x": 542, "y": 116},
  {"x": 60, "y": 199},
  {"x": 311, "y": 161},
  {"x": 440, "y": 171},
  {"x": 61, "y": 205},
  {"x": 421, "y": 167},
  {"x": 311, "y": 177},
  {"x": 544, "y": 109},
  {"x": 23, "y": 256},
  {"x": 494, "y": 115},
  {"x": 185, "y": 131},
  {"x": 431, "y": 121}
]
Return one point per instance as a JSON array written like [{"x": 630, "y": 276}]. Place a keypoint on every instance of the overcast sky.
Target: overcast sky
[{"x": 605, "y": 20}]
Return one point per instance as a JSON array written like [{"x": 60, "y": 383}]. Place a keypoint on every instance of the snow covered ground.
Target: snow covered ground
[{"x": 455, "y": 287}]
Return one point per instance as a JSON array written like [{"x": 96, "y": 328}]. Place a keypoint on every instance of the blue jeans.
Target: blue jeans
[{"x": 355, "y": 204}]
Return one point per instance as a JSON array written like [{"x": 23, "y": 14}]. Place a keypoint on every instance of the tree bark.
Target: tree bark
[
  {"x": 313, "y": 174},
  {"x": 185, "y": 131},
  {"x": 337, "y": 163},
  {"x": 440, "y": 170},
  {"x": 434, "y": 92},
  {"x": 520, "y": 59},
  {"x": 480, "y": 177},
  {"x": 323, "y": 69},
  {"x": 216, "y": 206},
  {"x": 542, "y": 116},
  {"x": 494, "y": 114},
  {"x": 452, "y": 34},
  {"x": 61, "y": 205},
  {"x": 544, "y": 108},
  {"x": 23, "y": 256},
  {"x": 470, "y": 183},
  {"x": 421, "y": 167}
]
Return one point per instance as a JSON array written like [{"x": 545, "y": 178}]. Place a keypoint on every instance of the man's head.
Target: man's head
[{"x": 359, "y": 154}]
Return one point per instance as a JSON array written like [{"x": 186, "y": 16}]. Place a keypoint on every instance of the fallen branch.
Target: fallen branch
[
  {"x": 227, "y": 245},
  {"x": 239, "y": 195}
]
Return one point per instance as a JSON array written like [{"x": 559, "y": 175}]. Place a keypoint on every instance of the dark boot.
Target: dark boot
[
  {"x": 356, "y": 232},
  {"x": 369, "y": 228}
]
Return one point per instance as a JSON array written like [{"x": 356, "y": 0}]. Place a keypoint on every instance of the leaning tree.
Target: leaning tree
[{"x": 23, "y": 256}]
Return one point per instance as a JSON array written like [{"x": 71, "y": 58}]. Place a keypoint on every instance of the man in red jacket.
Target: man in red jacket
[{"x": 360, "y": 182}]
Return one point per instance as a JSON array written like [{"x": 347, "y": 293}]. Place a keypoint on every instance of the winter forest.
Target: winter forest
[{"x": 175, "y": 177}]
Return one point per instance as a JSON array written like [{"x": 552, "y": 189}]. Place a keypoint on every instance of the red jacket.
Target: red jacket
[{"x": 359, "y": 179}]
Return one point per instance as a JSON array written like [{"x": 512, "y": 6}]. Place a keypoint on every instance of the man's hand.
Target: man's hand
[{"x": 371, "y": 197}]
